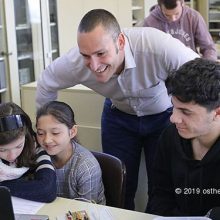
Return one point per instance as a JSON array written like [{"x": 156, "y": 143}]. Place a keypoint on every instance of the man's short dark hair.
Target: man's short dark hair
[
  {"x": 197, "y": 81},
  {"x": 169, "y": 4},
  {"x": 102, "y": 17}
]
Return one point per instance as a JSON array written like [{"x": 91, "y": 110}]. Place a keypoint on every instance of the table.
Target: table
[{"x": 98, "y": 212}]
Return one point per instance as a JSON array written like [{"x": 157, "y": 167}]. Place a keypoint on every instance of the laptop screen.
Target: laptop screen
[
  {"x": 7, "y": 212},
  {"x": 6, "y": 208}
]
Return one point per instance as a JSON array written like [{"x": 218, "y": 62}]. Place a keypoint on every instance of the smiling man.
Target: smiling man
[
  {"x": 186, "y": 172},
  {"x": 103, "y": 56},
  {"x": 129, "y": 68},
  {"x": 183, "y": 23}
]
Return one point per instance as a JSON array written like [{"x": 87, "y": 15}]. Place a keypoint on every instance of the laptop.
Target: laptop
[{"x": 7, "y": 212}]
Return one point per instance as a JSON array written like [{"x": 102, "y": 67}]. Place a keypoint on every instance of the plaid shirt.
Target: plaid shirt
[{"x": 81, "y": 177}]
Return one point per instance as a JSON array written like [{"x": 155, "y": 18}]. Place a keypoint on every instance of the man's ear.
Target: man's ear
[
  {"x": 121, "y": 41},
  {"x": 217, "y": 113},
  {"x": 73, "y": 131}
]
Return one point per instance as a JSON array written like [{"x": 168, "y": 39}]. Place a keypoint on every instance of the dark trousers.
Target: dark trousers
[{"x": 124, "y": 136}]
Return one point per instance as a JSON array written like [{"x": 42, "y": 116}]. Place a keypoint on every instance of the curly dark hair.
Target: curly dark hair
[
  {"x": 27, "y": 157},
  {"x": 169, "y": 4},
  {"x": 197, "y": 81}
]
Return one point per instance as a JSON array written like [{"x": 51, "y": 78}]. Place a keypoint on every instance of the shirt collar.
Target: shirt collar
[{"x": 129, "y": 57}]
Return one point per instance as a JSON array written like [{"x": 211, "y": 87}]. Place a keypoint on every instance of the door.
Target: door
[
  {"x": 23, "y": 28},
  {"x": 4, "y": 76},
  {"x": 28, "y": 39},
  {"x": 50, "y": 30}
]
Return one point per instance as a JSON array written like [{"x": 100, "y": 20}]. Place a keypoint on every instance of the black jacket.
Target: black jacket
[{"x": 184, "y": 186}]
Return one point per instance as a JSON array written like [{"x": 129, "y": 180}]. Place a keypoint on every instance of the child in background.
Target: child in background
[
  {"x": 24, "y": 168},
  {"x": 78, "y": 172}
]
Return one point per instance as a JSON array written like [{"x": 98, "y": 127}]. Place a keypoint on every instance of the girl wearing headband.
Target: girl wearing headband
[
  {"x": 24, "y": 168},
  {"x": 78, "y": 172}
]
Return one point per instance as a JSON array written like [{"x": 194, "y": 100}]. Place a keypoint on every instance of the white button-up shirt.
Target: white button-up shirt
[{"x": 150, "y": 55}]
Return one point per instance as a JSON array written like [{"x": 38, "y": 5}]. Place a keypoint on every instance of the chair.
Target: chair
[{"x": 113, "y": 177}]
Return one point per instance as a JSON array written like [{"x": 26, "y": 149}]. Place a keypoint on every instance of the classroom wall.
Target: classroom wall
[{"x": 70, "y": 13}]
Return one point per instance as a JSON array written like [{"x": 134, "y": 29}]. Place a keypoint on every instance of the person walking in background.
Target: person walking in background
[
  {"x": 25, "y": 168},
  {"x": 78, "y": 172},
  {"x": 183, "y": 23},
  {"x": 186, "y": 171},
  {"x": 129, "y": 68}
]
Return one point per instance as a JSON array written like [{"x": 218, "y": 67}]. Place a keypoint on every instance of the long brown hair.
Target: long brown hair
[{"x": 7, "y": 135}]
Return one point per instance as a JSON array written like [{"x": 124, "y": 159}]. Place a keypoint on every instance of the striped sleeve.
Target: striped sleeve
[{"x": 43, "y": 160}]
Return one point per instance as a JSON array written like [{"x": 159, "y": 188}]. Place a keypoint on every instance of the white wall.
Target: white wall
[
  {"x": 70, "y": 13},
  {"x": 148, "y": 5}
]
